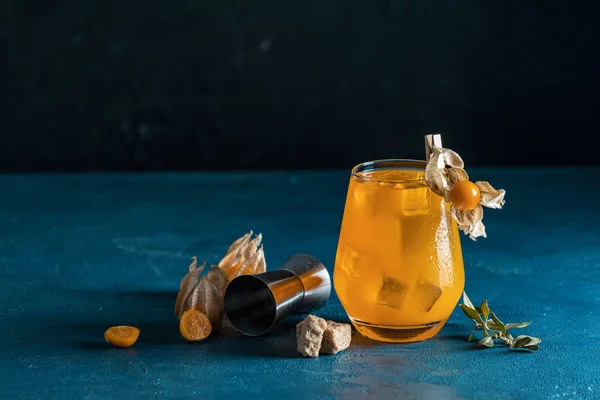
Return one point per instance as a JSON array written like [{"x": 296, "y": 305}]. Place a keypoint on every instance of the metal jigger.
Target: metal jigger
[{"x": 255, "y": 303}]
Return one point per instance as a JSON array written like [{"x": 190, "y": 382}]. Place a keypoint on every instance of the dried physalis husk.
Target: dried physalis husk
[
  {"x": 218, "y": 279},
  {"x": 457, "y": 174},
  {"x": 187, "y": 285},
  {"x": 470, "y": 221},
  {"x": 490, "y": 197},
  {"x": 244, "y": 256},
  {"x": 206, "y": 293},
  {"x": 435, "y": 172},
  {"x": 208, "y": 298},
  {"x": 444, "y": 169}
]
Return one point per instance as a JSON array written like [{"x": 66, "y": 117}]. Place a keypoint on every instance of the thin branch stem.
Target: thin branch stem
[
  {"x": 485, "y": 331},
  {"x": 471, "y": 335}
]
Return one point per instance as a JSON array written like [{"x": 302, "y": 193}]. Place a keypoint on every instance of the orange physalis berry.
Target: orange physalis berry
[
  {"x": 122, "y": 336},
  {"x": 194, "y": 326},
  {"x": 233, "y": 271},
  {"x": 465, "y": 195}
]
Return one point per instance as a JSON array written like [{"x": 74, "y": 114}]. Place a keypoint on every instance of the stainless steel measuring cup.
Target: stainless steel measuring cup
[{"x": 255, "y": 303}]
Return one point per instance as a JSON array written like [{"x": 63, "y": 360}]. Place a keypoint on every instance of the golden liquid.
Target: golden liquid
[{"x": 399, "y": 270}]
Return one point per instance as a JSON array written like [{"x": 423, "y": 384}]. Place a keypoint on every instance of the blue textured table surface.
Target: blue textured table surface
[{"x": 79, "y": 253}]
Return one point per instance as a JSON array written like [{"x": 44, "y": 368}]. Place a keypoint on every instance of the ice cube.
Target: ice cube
[
  {"x": 357, "y": 279},
  {"x": 392, "y": 293},
  {"x": 364, "y": 198},
  {"x": 424, "y": 295},
  {"x": 358, "y": 222},
  {"x": 357, "y": 264},
  {"x": 415, "y": 200}
]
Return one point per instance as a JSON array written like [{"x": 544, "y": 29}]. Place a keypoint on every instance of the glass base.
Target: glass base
[{"x": 397, "y": 334}]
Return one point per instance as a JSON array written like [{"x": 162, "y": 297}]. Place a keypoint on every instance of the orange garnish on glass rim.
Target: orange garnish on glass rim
[{"x": 446, "y": 177}]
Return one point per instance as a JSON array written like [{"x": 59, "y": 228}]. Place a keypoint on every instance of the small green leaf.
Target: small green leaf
[
  {"x": 467, "y": 301},
  {"x": 530, "y": 340},
  {"x": 533, "y": 341},
  {"x": 508, "y": 335},
  {"x": 486, "y": 341},
  {"x": 499, "y": 323},
  {"x": 532, "y": 347},
  {"x": 492, "y": 325},
  {"x": 516, "y": 325},
  {"x": 471, "y": 313},
  {"x": 523, "y": 340},
  {"x": 485, "y": 310}
]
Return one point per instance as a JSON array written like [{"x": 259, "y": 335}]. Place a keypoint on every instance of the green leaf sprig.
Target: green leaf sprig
[{"x": 494, "y": 329}]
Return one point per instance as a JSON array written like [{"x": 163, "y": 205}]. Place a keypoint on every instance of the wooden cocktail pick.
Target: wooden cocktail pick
[{"x": 431, "y": 140}]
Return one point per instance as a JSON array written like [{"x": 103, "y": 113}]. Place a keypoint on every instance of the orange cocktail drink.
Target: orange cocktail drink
[{"x": 399, "y": 269}]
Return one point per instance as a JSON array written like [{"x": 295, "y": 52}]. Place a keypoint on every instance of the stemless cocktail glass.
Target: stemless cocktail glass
[{"x": 398, "y": 270}]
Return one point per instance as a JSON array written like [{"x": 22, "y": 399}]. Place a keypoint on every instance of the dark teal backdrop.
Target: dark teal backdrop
[{"x": 97, "y": 84}]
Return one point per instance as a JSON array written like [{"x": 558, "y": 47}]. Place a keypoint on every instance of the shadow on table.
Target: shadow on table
[
  {"x": 155, "y": 333},
  {"x": 280, "y": 342},
  {"x": 83, "y": 316},
  {"x": 152, "y": 313},
  {"x": 80, "y": 318}
]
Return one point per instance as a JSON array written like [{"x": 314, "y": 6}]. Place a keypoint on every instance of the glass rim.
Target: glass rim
[{"x": 388, "y": 164}]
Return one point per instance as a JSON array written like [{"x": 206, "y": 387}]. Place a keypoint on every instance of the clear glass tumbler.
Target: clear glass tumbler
[{"x": 399, "y": 270}]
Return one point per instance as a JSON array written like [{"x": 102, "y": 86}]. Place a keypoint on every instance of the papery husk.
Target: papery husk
[
  {"x": 435, "y": 170},
  {"x": 452, "y": 159},
  {"x": 206, "y": 294},
  {"x": 187, "y": 285},
  {"x": 233, "y": 271},
  {"x": 490, "y": 197},
  {"x": 258, "y": 261},
  {"x": 470, "y": 222},
  {"x": 434, "y": 173},
  {"x": 250, "y": 249},
  {"x": 244, "y": 256},
  {"x": 207, "y": 298},
  {"x": 457, "y": 174},
  {"x": 218, "y": 278},
  {"x": 477, "y": 230},
  {"x": 233, "y": 252}
]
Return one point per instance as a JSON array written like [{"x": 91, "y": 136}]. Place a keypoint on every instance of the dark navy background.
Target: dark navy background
[{"x": 222, "y": 84}]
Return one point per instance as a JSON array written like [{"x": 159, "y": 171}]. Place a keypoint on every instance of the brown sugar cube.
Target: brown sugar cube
[
  {"x": 337, "y": 337},
  {"x": 309, "y": 334}
]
